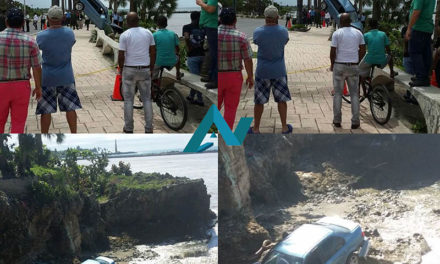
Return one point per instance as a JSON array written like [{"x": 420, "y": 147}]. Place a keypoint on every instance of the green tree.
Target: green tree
[
  {"x": 118, "y": 3},
  {"x": 6, "y": 158},
  {"x": 149, "y": 9}
]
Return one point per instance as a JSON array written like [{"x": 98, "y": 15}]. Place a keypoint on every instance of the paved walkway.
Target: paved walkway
[
  {"x": 310, "y": 83},
  {"x": 95, "y": 76}
]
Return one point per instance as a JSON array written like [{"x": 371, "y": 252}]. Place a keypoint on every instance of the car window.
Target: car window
[
  {"x": 329, "y": 247},
  {"x": 338, "y": 6},
  {"x": 313, "y": 258},
  {"x": 276, "y": 257}
]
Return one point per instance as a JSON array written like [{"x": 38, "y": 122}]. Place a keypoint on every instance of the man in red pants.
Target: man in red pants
[
  {"x": 18, "y": 54},
  {"x": 233, "y": 48}
]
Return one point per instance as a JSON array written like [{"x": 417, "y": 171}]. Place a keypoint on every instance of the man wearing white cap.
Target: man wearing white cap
[
  {"x": 58, "y": 82},
  {"x": 271, "y": 69}
]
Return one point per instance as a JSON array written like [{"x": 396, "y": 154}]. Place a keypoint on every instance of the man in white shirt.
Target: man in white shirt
[
  {"x": 36, "y": 18},
  {"x": 137, "y": 55},
  {"x": 347, "y": 48},
  {"x": 327, "y": 19}
]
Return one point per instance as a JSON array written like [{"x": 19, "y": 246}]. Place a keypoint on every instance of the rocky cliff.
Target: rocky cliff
[
  {"x": 239, "y": 233},
  {"x": 173, "y": 211},
  {"x": 58, "y": 229}
]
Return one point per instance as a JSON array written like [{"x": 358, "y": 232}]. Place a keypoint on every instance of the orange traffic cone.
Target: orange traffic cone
[
  {"x": 323, "y": 23},
  {"x": 117, "y": 95},
  {"x": 289, "y": 24},
  {"x": 345, "y": 92},
  {"x": 45, "y": 26},
  {"x": 434, "y": 80}
]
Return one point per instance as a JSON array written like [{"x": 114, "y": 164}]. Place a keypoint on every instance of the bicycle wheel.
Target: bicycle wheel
[
  {"x": 173, "y": 108},
  {"x": 362, "y": 93},
  {"x": 137, "y": 101},
  {"x": 380, "y": 104}
]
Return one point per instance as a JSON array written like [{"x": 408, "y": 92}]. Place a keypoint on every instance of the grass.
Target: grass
[
  {"x": 103, "y": 199},
  {"x": 145, "y": 181}
]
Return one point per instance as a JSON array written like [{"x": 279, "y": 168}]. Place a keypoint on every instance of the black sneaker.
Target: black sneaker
[
  {"x": 200, "y": 103},
  {"x": 127, "y": 132},
  {"x": 205, "y": 79},
  {"x": 211, "y": 85},
  {"x": 355, "y": 126},
  {"x": 338, "y": 125}
]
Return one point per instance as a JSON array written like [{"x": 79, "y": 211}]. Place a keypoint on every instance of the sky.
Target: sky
[
  {"x": 46, "y": 3},
  {"x": 148, "y": 143}
]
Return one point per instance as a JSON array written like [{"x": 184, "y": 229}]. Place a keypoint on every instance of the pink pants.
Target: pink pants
[
  {"x": 229, "y": 90},
  {"x": 14, "y": 97}
]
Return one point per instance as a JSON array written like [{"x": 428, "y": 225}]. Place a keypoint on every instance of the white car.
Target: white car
[{"x": 99, "y": 260}]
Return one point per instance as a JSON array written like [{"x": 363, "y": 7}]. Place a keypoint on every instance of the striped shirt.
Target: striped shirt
[
  {"x": 18, "y": 53},
  {"x": 233, "y": 48}
]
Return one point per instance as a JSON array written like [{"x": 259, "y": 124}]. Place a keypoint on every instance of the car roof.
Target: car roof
[
  {"x": 303, "y": 239},
  {"x": 339, "y": 222}
]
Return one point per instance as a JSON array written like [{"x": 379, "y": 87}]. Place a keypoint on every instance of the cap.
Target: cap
[
  {"x": 271, "y": 12},
  {"x": 14, "y": 13},
  {"x": 227, "y": 13},
  {"x": 55, "y": 12}
]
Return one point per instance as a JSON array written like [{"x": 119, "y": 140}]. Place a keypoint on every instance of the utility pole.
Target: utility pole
[{"x": 24, "y": 8}]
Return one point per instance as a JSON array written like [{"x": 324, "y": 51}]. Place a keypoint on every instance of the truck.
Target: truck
[{"x": 338, "y": 7}]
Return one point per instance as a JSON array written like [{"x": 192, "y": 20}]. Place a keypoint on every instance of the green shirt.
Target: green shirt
[
  {"x": 166, "y": 42},
  {"x": 209, "y": 20},
  {"x": 376, "y": 42},
  {"x": 425, "y": 22}
]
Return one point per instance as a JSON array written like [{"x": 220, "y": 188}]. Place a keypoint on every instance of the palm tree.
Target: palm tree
[
  {"x": 118, "y": 3},
  {"x": 149, "y": 9},
  {"x": 299, "y": 11},
  {"x": 133, "y": 5}
]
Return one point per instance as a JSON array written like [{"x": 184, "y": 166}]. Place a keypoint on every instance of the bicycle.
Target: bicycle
[
  {"x": 170, "y": 101},
  {"x": 378, "y": 96}
]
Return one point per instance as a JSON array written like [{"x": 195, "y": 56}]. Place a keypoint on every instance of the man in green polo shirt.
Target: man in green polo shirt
[
  {"x": 377, "y": 43},
  {"x": 167, "y": 48},
  {"x": 419, "y": 34},
  {"x": 209, "y": 21}
]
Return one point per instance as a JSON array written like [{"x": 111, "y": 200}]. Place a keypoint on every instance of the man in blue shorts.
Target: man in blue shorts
[
  {"x": 271, "y": 69},
  {"x": 58, "y": 82}
]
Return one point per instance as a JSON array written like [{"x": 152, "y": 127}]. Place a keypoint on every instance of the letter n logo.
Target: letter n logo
[{"x": 214, "y": 117}]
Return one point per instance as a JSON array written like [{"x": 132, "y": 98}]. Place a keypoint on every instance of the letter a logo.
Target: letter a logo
[{"x": 214, "y": 117}]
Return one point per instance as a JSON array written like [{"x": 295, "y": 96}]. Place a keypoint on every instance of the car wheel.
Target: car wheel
[
  {"x": 79, "y": 6},
  {"x": 352, "y": 259}
]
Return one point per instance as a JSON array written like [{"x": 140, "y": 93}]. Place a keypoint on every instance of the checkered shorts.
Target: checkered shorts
[
  {"x": 67, "y": 96},
  {"x": 280, "y": 90}
]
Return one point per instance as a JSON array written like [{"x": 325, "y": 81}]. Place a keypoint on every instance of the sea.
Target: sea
[{"x": 177, "y": 21}]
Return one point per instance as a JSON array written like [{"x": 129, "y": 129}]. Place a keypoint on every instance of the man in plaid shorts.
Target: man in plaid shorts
[
  {"x": 58, "y": 81},
  {"x": 18, "y": 54},
  {"x": 233, "y": 48},
  {"x": 271, "y": 69}
]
